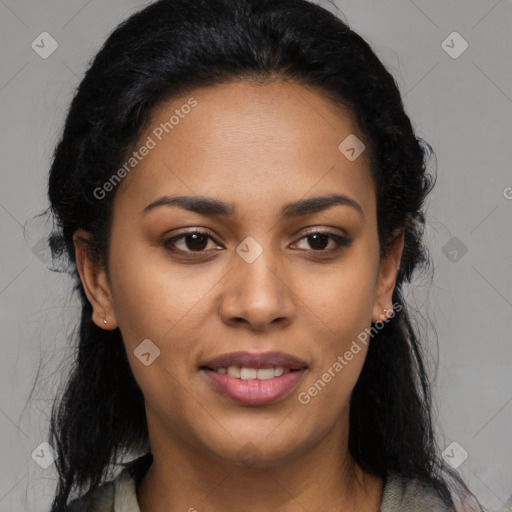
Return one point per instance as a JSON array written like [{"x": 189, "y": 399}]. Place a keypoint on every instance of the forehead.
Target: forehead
[{"x": 250, "y": 141}]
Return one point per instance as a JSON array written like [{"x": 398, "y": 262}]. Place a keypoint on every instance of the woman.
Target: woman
[{"x": 239, "y": 193}]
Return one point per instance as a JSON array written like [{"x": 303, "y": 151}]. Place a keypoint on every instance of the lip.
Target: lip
[
  {"x": 254, "y": 391},
  {"x": 255, "y": 360}
]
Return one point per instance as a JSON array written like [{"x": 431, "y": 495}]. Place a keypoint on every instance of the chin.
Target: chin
[{"x": 259, "y": 455}]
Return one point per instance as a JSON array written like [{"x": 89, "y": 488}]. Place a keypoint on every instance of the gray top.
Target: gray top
[{"x": 119, "y": 495}]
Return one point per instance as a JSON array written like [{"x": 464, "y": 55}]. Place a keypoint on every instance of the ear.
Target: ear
[
  {"x": 388, "y": 270},
  {"x": 95, "y": 282}
]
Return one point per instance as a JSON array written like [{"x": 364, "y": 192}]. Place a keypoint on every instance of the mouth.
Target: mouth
[
  {"x": 245, "y": 373},
  {"x": 277, "y": 361},
  {"x": 252, "y": 378}
]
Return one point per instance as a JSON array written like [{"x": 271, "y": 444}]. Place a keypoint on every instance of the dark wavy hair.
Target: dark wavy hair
[{"x": 173, "y": 47}]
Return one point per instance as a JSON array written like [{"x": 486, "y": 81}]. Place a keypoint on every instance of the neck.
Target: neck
[{"x": 325, "y": 477}]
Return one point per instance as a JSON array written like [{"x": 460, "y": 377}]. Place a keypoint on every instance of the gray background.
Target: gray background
[{"x": 462, "y": 106}]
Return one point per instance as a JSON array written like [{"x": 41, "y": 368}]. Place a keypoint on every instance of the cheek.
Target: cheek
[
  {"x": 168, "y": 306},
  {"x": 343, "y": 299},
  {"x": 343, "y": 303},
  {"x": 153, "y": 299},
  {"x": 338, "y": 361}
]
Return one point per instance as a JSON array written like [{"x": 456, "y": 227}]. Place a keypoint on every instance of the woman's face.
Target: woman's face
[{"x": 260, "y": 285}]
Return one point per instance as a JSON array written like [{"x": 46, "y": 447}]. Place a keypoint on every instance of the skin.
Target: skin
[{"x": 257, "y": 146}]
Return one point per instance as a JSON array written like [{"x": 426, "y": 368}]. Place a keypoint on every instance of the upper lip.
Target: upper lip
[{"x": 255, "y": 360}]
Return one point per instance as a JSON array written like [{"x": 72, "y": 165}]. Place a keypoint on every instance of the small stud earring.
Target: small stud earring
[{"x": 104, "y": 320}]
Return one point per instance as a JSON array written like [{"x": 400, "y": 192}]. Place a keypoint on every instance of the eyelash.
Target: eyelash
[{"x": 340, "y": 242}]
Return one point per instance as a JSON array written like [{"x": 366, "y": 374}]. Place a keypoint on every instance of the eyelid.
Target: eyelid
[
  {"x": 193, "y": 231},
  {"x": 324, "y": 230},
  {"x": 340, "y": 240}
]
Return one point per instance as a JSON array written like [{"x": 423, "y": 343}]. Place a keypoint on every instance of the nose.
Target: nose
[{"x": 257, "y": 295}]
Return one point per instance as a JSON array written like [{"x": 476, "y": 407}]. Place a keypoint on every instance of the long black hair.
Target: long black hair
[{"x": 172, "y": 47}]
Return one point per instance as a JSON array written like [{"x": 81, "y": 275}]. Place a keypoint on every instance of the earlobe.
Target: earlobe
[
  {"x": 388, "y": 270},
  {"x": 95, "y": 282}
]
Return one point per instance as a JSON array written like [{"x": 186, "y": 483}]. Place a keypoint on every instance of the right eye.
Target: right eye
[{"x": 194, "y": 242}]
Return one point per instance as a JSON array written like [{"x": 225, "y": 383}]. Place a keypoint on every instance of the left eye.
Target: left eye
[
  {"x": 322, "y": 237},
  {"x": 195, "y": 241}
]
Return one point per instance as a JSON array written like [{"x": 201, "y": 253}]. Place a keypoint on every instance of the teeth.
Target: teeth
[
  {"x": 253, "y": 373},
  {"x": 265, "y": 373},
  {"x": 248, "y": 373},
  {"x": 234, "y": 371},
  {"x": 278, "y": 371}
]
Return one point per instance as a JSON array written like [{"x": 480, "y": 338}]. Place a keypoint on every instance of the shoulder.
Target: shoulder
[
  {"x": 100, "y": 499},
  {"x": 115, "y": 495},
  {"x": 402, "y": 494}
]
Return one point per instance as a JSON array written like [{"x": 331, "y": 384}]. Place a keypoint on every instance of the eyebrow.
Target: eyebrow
[{"x": 210, "y": 206}]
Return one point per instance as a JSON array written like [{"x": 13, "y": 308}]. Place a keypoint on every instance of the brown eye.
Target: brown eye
[
  {"x": 319, "y": 241},
  {"x": 193, "y": 241}
]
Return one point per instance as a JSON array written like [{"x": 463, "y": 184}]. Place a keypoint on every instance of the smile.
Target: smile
[
  {"x": 245, "y": 373},
  {"x": 246, "y": 387}
]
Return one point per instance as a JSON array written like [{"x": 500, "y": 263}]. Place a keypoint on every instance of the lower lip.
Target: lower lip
[{"x": 255, "y": 391}]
